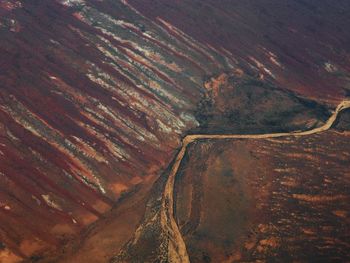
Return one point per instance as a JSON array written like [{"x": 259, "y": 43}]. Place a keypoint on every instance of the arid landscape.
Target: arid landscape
[
  {"x": 174, "y": 131},
  {"x": 279, "y": 199}
]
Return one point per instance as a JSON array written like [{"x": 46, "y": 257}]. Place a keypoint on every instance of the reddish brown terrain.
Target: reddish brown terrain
[
  {"x": 280, "y": 200},
  {"x": 96, "y": 96},
  {"x": 304, "y": 45}
]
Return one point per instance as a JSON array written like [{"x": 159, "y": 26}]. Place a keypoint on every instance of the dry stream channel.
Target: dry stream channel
[{"x": 177, "y": 248}]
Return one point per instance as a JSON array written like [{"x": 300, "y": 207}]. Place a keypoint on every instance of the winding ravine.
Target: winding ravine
[{"x": 177, "y": 248}]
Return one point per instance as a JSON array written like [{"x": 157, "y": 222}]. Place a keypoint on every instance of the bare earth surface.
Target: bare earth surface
[
  {"x": 97, "y": 96},
  {"x": 165, "y": 222},
  {"x": 280, "y": 199}
]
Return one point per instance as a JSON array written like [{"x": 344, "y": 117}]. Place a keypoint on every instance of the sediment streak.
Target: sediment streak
[{"x": 177, "y": 252}]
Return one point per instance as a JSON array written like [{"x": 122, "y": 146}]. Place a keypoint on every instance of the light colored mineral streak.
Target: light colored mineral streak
[
  {"x": 50, "y": 202},
  {"x": 164, "y": 115},
  {"x": 72, "y": 2},
  {"x": 34, "y": 124},
  {"x": 183, "y": 43},
  {"x": 262, "y": 66},
  {"x": 195, "y": 45}
]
